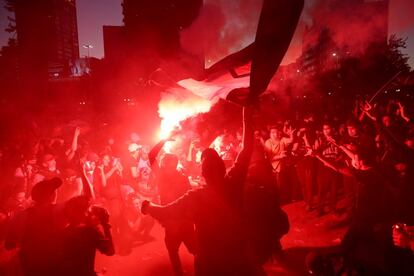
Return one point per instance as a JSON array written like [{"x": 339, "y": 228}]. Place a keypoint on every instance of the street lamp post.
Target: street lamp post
[
  {"x": 88, "y": 46},
  {"x": 336, "y": 56}
]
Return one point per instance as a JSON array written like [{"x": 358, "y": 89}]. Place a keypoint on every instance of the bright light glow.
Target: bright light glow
[
  {"x": 334, "y": 54},
  {"x": 175, "y": 107}
]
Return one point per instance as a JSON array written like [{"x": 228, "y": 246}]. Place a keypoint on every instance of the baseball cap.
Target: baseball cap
[
  {"x": 133, "y": 147},
  {"x": 42, "y": 191}
]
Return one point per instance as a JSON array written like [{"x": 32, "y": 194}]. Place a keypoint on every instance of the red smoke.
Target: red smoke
[
  {"x": 401, "y": 15},
  {"x": 352, "y": 24},
  {"x": 222, "y": 27}
]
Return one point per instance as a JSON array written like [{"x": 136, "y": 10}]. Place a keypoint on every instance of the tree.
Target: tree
[{"x": 396, "y": 59}]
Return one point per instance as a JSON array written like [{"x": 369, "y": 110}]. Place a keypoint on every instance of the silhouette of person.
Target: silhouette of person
[
  {"x": 87, "y": 231},
  {"x": 216, "y": 210},
  {"x": 35, "y": 231},
  {"x": 173, "y": 184}
]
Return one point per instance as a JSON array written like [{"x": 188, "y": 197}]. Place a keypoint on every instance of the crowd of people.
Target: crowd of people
[{"x": 359, "y": 169}]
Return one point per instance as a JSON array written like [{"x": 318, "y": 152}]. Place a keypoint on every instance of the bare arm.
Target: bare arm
[
  {"x": 74, "y": 147},
  {"x": 349, "y": 153},
  {"x": 87, "y": 186},
  {"x": 344, "y": 171},
  {"x": 243, "y": 159},
  {"x": 182, "y": 208},
  {"x": 402, "y": 113}
]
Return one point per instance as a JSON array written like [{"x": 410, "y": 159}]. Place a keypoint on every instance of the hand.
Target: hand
[
  {"x": 290, "y": 131},
  {"x": 366, "y": 107},
  {"x": 305, "y": 136},
  {"x": 144, "y": 207},
  {"x": 194, "y": 143},
  {"x": 77, "y": 131},
  {"x": 401, "y": 107},
  {"x": 400, "y": 236},
  {"x": 331, "y": 140}
]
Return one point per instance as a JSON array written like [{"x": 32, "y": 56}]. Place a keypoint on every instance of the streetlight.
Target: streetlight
[
  {"x": 88, "y": 46},
  {"x": 336, "y": 56}
]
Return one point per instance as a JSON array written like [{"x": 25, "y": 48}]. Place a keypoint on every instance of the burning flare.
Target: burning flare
[{"x": 175, "y": 106}]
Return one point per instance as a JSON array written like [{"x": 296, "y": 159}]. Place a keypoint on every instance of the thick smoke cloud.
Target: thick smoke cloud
[
  {"x": 223, "y": 27},
  {"x": 353, "y": 24}
]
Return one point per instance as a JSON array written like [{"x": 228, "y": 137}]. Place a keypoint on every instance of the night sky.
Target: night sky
[{"x": 92, "y": 14}]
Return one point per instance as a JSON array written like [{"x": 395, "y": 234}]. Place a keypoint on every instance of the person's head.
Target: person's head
[
  {"x": 111, "y": 141},
  {"x": 76, "y": 209},
  {"x": 379, "y": 142},
  {"x": 386, "y": 120},
  {"x": 169, "y": 162},
  {"x": 363, "y": 159},
  {"x": 400, "y": 161},
  {"x": 257, "y": 135},
  {"x": 352, "y": 128},
  {"x": 49, "y": 162},
  {"x": 239, "y": 135},
  {"x": 45, "y": 192},
  {"x": 308, "y": 117},
  {"x": 144, "y": 154},
  {"x": 409, "y": 142},
  {"x": 275, "y": 133},
  {"x": 401, "y": 168},
  {"x": 91, "y": 160},
  {"x": 134, "y": 137},
  {"x": 327, "y": 129},
  {"x": 135, "y": 150},
  {"x": 106, "y": 160},
  {"x": 213, "y": 168}
]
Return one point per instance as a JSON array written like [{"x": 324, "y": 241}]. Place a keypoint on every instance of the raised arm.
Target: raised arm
[
  {"x": 243, "y": 159},
  {"x": 70, "y": 153},
  {"x": 87, "y": 186},
  {"x": 182, "y": 208},
  {"x": 402, "y": 113}
]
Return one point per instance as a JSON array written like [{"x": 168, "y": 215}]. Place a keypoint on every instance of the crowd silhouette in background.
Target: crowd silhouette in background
[{"x": 64, "y": 196}]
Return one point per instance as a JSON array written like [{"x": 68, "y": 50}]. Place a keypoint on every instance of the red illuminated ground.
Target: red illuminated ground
[{"x": 307, "y": 232}]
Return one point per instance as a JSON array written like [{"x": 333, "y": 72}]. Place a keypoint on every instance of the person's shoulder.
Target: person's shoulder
[
  {"x": 22, "y": 214},
  {"x": 87, "y": 231}
]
